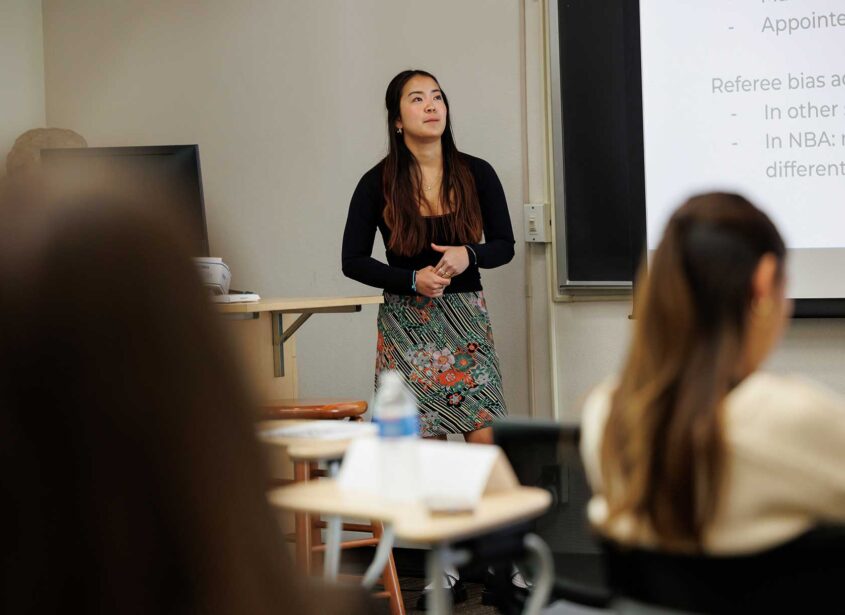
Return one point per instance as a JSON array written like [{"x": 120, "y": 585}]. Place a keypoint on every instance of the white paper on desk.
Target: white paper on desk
[
  {"x": 446, "y": 471},
  {"x": 323, "y": 430}
]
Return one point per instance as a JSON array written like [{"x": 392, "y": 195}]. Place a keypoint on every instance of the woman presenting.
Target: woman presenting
[{"x": 432, "y": 204}]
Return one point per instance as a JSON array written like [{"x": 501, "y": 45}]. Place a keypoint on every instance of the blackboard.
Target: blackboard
[
  {"x": 599, "y": 170},
  {"x": 597, "y": 143}
]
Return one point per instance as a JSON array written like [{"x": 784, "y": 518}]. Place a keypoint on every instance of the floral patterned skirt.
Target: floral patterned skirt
[{"x": 444, "y": 348}]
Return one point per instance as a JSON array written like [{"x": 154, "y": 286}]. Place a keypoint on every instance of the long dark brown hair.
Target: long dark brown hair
[
  {"x": 402, "y": 182},
  {"x": 663, "y": 452},
  {"x": 130, "y": 478}
]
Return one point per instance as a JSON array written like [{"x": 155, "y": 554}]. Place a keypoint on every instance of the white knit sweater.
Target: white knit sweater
[{"x": 785, "y": 440}]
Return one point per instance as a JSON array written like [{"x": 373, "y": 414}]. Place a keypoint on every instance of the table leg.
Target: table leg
[
  {"x": 334, "y": 524},
  {"x": 385, "y": 545},
  {"x": 441, "y": 601},
  {"x": 545, "y": 574},
  {"x": 302, "y": 524}
]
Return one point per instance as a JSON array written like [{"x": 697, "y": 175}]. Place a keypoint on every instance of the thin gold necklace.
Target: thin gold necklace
[{"x": 428, "y": 187}]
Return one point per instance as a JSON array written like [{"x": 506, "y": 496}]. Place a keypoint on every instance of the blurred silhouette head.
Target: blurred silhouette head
[{"x": 130, "y": 477}]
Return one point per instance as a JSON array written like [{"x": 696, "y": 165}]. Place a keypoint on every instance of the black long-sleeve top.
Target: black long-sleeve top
[{"x": 366, "y": 214}]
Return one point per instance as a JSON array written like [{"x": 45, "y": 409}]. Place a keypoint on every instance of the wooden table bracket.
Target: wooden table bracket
[
  {"x": 281, "y": 335},
  {"x": 276, "y": 308}
]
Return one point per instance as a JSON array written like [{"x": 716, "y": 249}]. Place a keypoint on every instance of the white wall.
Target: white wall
[
  {"x": 21, "y": 71},
  {"x": 592, "y": 341},
  {"x": 286, "y": 102},
  {"x": 815, "y": 348}
]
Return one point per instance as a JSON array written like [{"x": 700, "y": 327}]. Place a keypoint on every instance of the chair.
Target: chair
[
  {"x": 590, "y": 571},
  {"x": 313, "y": 409},
  {"x": 545, "y": 454},
  {"x": 799, "y": 576},
  {"x": 308, "y": 530}
]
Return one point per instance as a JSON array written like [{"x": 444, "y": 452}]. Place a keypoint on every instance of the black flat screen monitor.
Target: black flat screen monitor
[{"x": 168, "y": 174}]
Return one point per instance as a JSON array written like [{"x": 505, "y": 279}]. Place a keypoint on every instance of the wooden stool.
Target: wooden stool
[
  {"x": 308, "y": 528},
  {"x": 314, "y": 409}
]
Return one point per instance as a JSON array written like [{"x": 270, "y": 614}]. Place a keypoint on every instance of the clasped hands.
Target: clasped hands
[{"x": 432, "y": 281}]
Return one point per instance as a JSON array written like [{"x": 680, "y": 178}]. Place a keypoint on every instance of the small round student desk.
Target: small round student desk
[
  {"x": 305, "y": 453},
  {"x": 415, "y": 524}
]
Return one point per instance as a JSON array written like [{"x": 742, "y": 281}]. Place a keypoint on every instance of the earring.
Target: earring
[
  {"x": 763, "y": 308},
  {"x": 399, "y": 131}
]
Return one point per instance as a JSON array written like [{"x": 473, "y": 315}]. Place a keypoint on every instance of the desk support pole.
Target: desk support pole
[
  {"x": 280, "y": 336},
  {"x": 334, "y": 524},
  {"x": 278, "y": 345},
  {"x": 440, "y": 557},
  {"x": 385, "y": 545},
  {"x": 441, "y": 604},
  {"x": 545, "y": 574}
]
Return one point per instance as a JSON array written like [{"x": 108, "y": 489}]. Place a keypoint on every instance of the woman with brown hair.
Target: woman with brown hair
[
  {"x": 130, "y": 476},
  {"x": 432, "y": 204},
  {"x": 693, "y": 449}
]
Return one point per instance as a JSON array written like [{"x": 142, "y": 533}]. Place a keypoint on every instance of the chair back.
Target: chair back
[
  {"x": 545, "y": 454},
  {"x": 793, "y": 577}
]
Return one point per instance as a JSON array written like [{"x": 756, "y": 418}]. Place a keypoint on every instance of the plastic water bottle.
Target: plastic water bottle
[{"x": 395, "y": 413}]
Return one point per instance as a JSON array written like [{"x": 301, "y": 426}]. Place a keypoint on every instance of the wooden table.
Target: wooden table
[
  {"x": 262, "y": 332},
  {"x": 410, "y": 522},
  {"x": 413, "y": 523}
]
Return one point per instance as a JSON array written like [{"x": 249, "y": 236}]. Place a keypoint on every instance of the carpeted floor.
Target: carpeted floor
[{"x": 413, "y": 586}]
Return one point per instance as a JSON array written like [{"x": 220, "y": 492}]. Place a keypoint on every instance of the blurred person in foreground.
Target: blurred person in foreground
[{"x": 131, "y": 479}]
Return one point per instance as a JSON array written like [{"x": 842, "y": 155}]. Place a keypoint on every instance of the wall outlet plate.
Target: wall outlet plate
[{"x": 537, "y": 221}]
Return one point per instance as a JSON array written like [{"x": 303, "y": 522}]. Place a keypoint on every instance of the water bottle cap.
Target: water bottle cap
[
  {"x": 395, "y": 408},
  {"x": 392, "y": 390}
]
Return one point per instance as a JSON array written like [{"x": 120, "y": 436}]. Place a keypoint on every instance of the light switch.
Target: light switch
[{"x": 537, "y": 223}]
